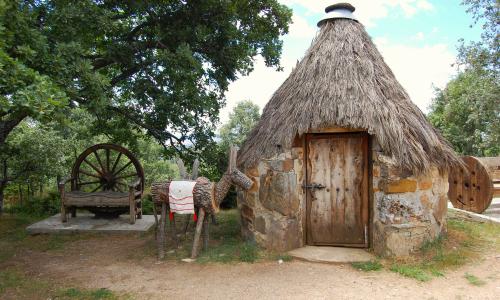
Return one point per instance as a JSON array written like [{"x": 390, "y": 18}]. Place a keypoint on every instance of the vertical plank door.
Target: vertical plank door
[{"x": 337, "y": 211}]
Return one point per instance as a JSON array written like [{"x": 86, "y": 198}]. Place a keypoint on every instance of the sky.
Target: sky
[{"x": 417, "y": 38}]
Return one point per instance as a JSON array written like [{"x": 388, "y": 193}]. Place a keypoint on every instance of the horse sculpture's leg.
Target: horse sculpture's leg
[
  {"x": 197, "y": 233},
  {"x": 161, "y": 237},
  {"x": 186, "y": 224},
  {"x": 206, "y": 232},
  {"x": 174, "y": 232}
]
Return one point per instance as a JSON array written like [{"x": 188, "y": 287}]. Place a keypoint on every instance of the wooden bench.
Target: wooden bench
[{"x": 99, "y": 183}]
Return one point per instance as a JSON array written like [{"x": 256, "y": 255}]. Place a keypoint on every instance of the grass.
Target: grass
[
  {"x": 14, "y": 240},
  {"x": 96, "y": 294},
  {"x": 465, "y": 242},
  {"x": 15, "y": 284},
  {"x": 411, "y": 272},
  {"x": 368, "y": 266},
  {"x": 226, "y": 244},
  {"x": 474, "y": 280},
  {"x": 13, "y": 237}
]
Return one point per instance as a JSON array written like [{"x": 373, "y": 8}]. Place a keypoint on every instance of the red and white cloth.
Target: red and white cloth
[{"x": 180, "y": 195}]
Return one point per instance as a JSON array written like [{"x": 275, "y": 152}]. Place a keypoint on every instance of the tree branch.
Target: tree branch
[
  {"x": 8, "y": 125},
  {"x": 159, "y": 135},
  {"x": 125, "y": 74}
]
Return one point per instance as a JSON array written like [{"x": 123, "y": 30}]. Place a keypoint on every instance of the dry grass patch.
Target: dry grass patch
[{"x": 466, "y": 242}]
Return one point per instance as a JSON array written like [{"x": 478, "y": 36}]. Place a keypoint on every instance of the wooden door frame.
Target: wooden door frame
[{"x": 368, "y": 202}]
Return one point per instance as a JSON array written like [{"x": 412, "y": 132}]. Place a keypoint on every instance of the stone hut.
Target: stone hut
[{"x": 341, "y": 156}]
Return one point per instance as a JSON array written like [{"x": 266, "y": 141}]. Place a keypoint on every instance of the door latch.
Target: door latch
[{"x": 314, "y": 186}]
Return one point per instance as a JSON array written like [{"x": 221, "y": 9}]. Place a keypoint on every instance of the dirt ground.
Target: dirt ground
[{"x": 112, "y": 263}]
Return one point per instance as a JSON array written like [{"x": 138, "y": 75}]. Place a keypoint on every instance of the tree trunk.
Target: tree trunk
[
  {"x": 2, "y": 188},
  {"x": 20, "y": 195},
  {"x": 6, "y": 127}
]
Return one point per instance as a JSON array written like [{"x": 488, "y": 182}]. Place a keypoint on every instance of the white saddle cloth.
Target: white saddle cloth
[{"x": 180, "y": 194}]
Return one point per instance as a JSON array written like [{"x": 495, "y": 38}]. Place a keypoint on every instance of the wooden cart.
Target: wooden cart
[{"x": 106, "y": 179}]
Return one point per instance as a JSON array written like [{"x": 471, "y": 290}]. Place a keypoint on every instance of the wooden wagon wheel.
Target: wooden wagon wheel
[
  {"x": 470, "y": 191},
  {"x": 106, "y": 167}
]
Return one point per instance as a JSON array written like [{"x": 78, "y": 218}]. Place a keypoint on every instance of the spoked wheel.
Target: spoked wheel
[{"x": 106, "y": 167}]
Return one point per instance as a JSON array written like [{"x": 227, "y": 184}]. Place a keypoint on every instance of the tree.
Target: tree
[
  {"x": 34, "y": 154},
  {"x": 467, "y": 111},
  {"x": 241, "y": 121},
  {"x": 160, "y": 65},
  {"x": 483, "y": 54}
]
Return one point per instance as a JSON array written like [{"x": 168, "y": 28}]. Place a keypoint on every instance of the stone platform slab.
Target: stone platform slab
[
  {"x": 332, "y": 255},
  {"x": 87, "y": 223}
]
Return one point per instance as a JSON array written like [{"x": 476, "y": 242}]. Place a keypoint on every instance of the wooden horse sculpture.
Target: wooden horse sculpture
[{"x": 207, "y": 199}]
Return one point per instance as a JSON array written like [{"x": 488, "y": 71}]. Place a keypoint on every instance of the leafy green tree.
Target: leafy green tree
[
  {"x": 159, "y": 65},
  {"x": 467, "y": 111},
  {"x": 482, "y": 54},
  {"x": 34, "y": 155},
  {"x": 241, "y": 121}
]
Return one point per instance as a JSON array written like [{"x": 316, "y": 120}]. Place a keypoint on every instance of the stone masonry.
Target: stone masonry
[{"x": 407, "y": 209}]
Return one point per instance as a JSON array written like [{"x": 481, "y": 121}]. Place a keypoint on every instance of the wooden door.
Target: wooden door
[{"x": 337, "y": 189}]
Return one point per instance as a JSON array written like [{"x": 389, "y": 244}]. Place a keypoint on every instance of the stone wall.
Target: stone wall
[
  {"x": 272, "y": 211},
  {"x": 407, "y": 210}
]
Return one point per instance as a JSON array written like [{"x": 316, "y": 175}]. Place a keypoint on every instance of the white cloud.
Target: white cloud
[
  {"x": 259, "y": 86},
  {"x": 418, "y": 69},
  {"x": 300, "y": 28},
  {"x": 420, "y": 36},
  {"x": 368, "y": 10}
]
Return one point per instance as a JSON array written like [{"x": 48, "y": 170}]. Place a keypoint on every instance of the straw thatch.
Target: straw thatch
[{"x": 343, "y": 81}]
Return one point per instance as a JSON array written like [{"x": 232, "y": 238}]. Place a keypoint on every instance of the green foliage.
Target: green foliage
[
  {"x": 411, "y": 272},
  {"x": 474, "y": 280},
  {"x": 160, "y": 66},
  {"x": 465, "y": 242},
  {"x": 249, "y": 252},
  {"x": 367, "y": 266},
  {"x": 35, "y": 152},
  {"x": 467, "y": 112},
  {"x": 156, "y": 166},
  {"x": 483, "y": 54},
  {"x": 37, "y": 288},
  {"x": 96, "y": 294},
  {"x": 38, "y": 206},
  {"x": 241, "y": 121}
]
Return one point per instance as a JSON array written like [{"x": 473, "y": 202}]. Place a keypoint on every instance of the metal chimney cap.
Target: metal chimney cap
[
  {"x": 338, "y": 11},
  {"x": 347, "y": 6}
]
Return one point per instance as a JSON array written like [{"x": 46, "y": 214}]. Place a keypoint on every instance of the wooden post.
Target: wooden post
[
  {"x": 197, "y": 233},
  {"x": 131, "y": 200},
  {"x": 174, "y": 232},
  {"x": 186, "y": 225},
  {"x": 161, "y": 237},
  {"x": 64, "y": 217},
  {"x": 206, "y": 232},
  {"x": 155, "y": 214}
]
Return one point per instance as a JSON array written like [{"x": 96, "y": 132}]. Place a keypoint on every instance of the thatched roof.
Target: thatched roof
[{"x": 343, "y": 81}]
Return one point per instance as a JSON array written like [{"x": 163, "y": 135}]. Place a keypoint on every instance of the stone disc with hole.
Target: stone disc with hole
[{"x": 472, "y": 192}]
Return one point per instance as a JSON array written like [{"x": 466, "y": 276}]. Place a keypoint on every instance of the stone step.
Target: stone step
[{"x": 332, "y": 255}]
